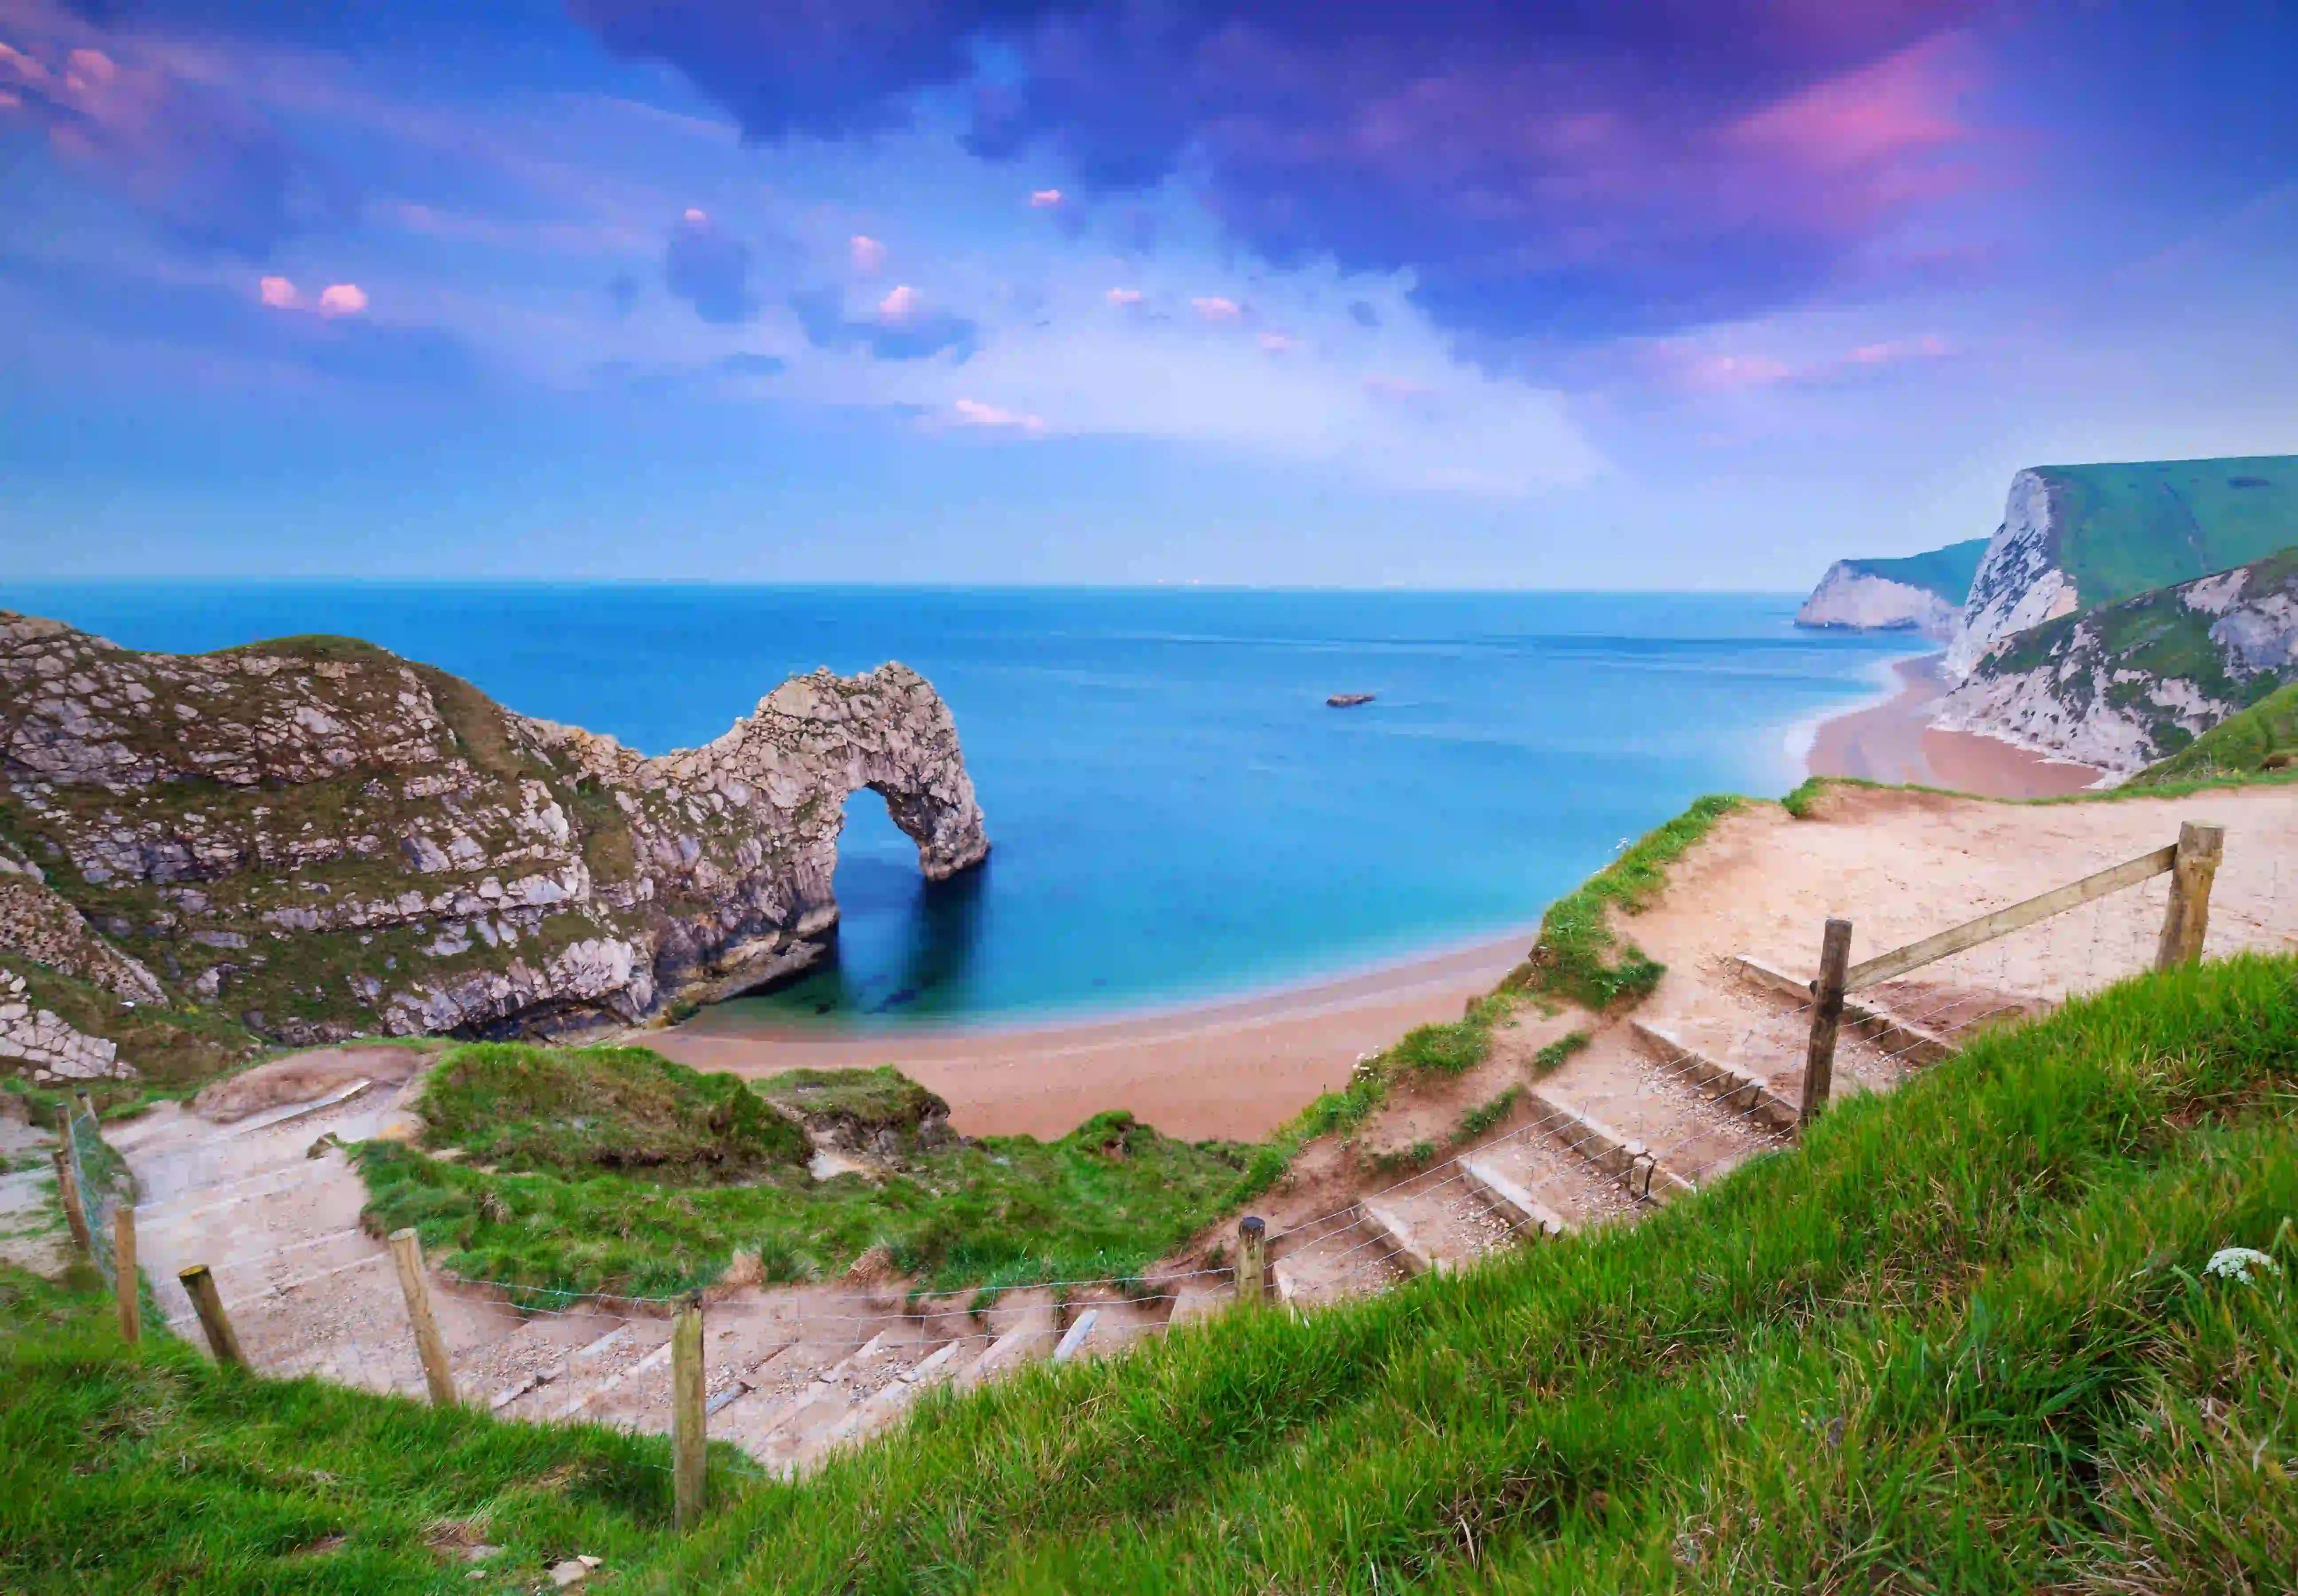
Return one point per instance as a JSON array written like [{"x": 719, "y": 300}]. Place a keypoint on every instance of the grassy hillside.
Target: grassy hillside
[
  {"x": 1977, "y": 1335},
  {"x": 1967, "y": 1338},
  {"x": 2123, "y": 653},
  {"x": 125, "y": 1471},
  {"x": 1947, "y": 572},
  {"x": 2262, "y": 739},
  {"x": 613, "y": 1170},
  {"x": 2127, "y": 529}
]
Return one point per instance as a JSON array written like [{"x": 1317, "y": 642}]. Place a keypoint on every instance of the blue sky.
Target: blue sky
[{"x": 1364, "y": 293}]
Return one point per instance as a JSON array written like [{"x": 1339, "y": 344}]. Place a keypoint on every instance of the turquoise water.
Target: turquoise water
[{"x": 1174, "y": 812}]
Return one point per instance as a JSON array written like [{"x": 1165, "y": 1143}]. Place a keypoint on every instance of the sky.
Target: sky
[{"x": 1690, "y": 293}]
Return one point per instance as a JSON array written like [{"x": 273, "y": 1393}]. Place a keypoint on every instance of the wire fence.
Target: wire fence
[{"x": 785, "y": 1374}]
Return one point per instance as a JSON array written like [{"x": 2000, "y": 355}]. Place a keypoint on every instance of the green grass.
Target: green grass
[
  {"x": 2127, "y": 529},
  {"x": 2241, "y": 745},
  {"x": 132, "y": 1470},
  {"x": 576, "y": 1112},
  {"x": 1945, "y": 571},
  {"x": 612, "y": 1170},
  {"x": 1578, "y": 956},
  {"x": 1963, "y": 1340}
]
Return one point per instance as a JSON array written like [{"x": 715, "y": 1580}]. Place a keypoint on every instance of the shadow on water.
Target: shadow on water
[{"x": 903, "y": 948}]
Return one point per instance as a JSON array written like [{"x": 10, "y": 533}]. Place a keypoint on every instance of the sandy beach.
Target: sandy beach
[
  {"x": 1239, "y": 1067},
  {"x": 1892, "y": 742},
  {"x": 1236, "y": 1069}
]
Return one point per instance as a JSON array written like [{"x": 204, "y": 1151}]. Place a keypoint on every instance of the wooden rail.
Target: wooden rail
[
  {"x": 2191, "y": 862},
  {"x": 1914, "y": 955}
]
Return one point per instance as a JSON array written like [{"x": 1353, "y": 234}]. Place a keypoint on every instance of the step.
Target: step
[
  {"x": 588, "y": 1398},
  {"x": 881, "y": 1408},
  {"x": 1027, "y": 1340},
  {"x": 1606, "y": 1149},
  {"x": 1405, "y": 1248},
  {"x": 1901, "y": 1037},
  {"x": 1724, "y": 1083},
  {"x": 1074, "y": 1338},
  {"x": 1522, "y": 1207}
]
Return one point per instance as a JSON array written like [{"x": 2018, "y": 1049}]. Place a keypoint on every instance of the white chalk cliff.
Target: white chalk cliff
[
  {"x": 2129, "y": 684},
  {"x": 2020, "y": 583},
  {"x": 1856, "y": 599}
]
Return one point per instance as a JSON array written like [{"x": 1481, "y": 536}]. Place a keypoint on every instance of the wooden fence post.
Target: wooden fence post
[
  {"x": 438, "y": 1374},
  {"x": 1826, "y": 1018},
  {"x": 1252, "y": 1259},
  {"x": 208, "y": 1302},
  {"x": 2188, "y": 916},
  {"x": 688, "y": 1443},
  {"x": 75, "y": 1211},
  {"x": 124, "y": 1278}
]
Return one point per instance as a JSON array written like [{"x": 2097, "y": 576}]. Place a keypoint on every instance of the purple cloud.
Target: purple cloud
[
  {"x": 209, "y": 169},
  {"x": 901, "y": 330},
  {"x": 1560, "y": 170},
  {"x": 709, "y": 268}
]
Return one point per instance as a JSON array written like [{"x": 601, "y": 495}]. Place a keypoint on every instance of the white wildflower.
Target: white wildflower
[{"x": 2234, "y": 1263}]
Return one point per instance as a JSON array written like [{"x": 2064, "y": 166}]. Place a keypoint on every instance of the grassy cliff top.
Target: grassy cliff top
[
  {"x": 1947, "y": 572},
  {"x": 2147, "y": 523}
]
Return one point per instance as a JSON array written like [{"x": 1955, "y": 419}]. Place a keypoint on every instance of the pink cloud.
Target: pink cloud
[
  {"x": 1044, "y": 199},
  {"x": 342, "y": 299},
  {"x": 900, "y": 304},
  {"x": 1929, "y": 347},
  {"x": 867, "y": 253},
  {"x": 1398, "y": 389},
  {"x": 1279, "y": 344},
  {"x": 278, "y": 292},
  {"x": 1124, "y": 296},
  {"x": 1214, "y": 308},
  {"x": 1697, "y": 371},
  {"x": 971, "y": 412}
]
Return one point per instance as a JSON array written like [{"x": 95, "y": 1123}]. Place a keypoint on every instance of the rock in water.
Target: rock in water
[
  {"x": 330, "y": 840},
  {"x": 1349, "y": 700}
]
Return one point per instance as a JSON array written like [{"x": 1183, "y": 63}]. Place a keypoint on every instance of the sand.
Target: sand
[
  {"x": 1892, "y": 742},
  {"x": 1900, "y": 865},
  {"x": 1234, "y": 1069}
]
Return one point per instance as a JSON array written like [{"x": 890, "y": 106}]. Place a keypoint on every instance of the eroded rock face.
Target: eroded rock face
[
  {"x": 2020, "y": 583},
  {"x": 2129, "y": 684},
  {"x": 329, "y": 839},
  {"x": 1857, "y": 601}
]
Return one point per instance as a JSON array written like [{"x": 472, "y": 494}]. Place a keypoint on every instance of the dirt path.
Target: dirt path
[{"x": 1700, "y": 1078}]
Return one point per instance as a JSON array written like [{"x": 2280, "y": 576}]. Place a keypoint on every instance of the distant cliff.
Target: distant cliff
[
  {"x": 322, "y": 838},
  {"x": 1915, "y": 593},
  {"x": 2127, "y": 684},
  {"x": 2076, "y": 537}
]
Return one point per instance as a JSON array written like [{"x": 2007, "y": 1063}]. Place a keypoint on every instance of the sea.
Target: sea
[{"x": 1175, "y": 814}]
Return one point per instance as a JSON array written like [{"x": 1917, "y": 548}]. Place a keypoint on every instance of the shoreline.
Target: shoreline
[
  {"x": 1234, "y": 1069},
  {"x": 1893, "y": 741},
  {"x": 1238, "y": 1067}
]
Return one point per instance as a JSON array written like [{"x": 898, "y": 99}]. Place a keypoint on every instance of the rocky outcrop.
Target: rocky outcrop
[
  {"x": 37, "y": 923},
  {"x": 2020, "y": 583},
  {"x": 2125, "y": 685},
  {"x": 328, "y": 840},
  {"x": 1850, "y": 597},
  {"x": 50, "y": 1048}
]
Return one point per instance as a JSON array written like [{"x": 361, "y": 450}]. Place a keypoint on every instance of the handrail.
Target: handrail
[{"x": 1987, "y": 927}]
